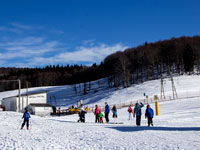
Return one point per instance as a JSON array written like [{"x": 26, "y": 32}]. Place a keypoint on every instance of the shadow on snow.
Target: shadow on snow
[{"x": 142, "y": 128}]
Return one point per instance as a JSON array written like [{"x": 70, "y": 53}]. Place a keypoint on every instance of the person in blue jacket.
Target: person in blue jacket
[
  {"x": 107, "y": 111},
  {"x": 149, "y": 115},
  {"x": 114, "y": 110},
  {"x": 26, "y": 117}
]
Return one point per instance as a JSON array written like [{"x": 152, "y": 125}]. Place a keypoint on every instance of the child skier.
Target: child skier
[
  {"x": 101, "y": 116},
  {"x": 114, "y": 110},
  {"x": 149, "y": 115},
  {"x": 130, "y": 112},
  {"x": 26, "y": 117}
]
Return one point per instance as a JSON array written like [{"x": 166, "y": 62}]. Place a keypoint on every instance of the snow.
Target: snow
[
  {"x": 186, "y": 86},
  {"x": 176, "y": 127}
]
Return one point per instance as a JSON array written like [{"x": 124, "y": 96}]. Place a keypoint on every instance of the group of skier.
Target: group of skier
[
  {"x": 99, "y": 115},
  {"x": 137, "y": 113}
]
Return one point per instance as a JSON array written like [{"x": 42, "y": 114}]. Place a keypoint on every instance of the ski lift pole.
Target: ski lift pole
[{"x": 19, "y": 105}]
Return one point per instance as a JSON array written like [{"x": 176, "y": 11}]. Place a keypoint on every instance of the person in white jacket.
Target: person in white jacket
[{"x": 82, "y": 113}]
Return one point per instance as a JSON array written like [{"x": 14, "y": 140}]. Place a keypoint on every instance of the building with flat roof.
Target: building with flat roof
[{"x": 35, "y": 101}]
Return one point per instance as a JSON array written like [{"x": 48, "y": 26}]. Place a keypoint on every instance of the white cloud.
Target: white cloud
[
  {"x": 56, "y": 31},
  {"x": 27, "y": 41},
  {"x": 7, "y": 29},
  {"x": 84, "y": 55},
  {"x": 16, "y": 27},
  {"x": 36, "y": 55},
  {"x": 26, "y": 48},
  {"x": 31, "y": 51},
  {"x": 20, "y": 26}
]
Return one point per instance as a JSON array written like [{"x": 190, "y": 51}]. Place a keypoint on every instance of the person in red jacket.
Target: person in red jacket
[
  {"x": 130, "y": 112},
  {"x": 96, "y": 113}
]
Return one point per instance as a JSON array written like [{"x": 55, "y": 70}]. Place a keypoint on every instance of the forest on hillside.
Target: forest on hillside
[{"x": 123, "y": 68}]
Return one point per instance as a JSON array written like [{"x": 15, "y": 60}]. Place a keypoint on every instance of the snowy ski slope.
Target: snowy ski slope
[{"x": 177, "y": 126}]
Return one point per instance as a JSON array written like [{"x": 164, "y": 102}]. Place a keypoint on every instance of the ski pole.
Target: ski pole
[
  {"x": 29, "y": 124},
  {"x": 20, "y": 123}
]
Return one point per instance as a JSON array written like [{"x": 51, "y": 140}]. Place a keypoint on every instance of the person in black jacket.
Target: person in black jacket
[{"x": 138, "y": 113}]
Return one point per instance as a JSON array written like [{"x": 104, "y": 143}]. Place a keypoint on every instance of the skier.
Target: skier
[
  {"x": 82, "y": 113},
  {"x": 96, "y": 113},
  {"x": 26, "y": 117},
  {"x": 138, "y": 113},
  {"x": 59, "y": 111},
  {"x": 130, "y": 111},
  {"x": 101, "y": 116},
  {"x": 149, "y": 115},
  {"x": 107, "y": 111},
  {"x": 114, "y": 110}
]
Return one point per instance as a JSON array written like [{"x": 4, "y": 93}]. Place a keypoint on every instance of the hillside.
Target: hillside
[{"x": 66, "y": 96}]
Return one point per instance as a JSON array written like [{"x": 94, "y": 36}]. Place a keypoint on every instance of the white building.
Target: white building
[
  {"x": 29, "y": 100},
  {"x": 40, "y": 109}
]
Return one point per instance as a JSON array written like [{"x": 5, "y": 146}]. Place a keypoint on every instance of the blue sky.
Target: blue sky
[{"x": 36, "y": 33}]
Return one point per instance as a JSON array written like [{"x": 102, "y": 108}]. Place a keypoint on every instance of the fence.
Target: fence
[{"x": 182, "y": 95}]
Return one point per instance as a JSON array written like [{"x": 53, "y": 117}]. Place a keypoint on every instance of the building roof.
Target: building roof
[
  {"x": 40, "y": 105},
  {"x": 32, "y": 93}
]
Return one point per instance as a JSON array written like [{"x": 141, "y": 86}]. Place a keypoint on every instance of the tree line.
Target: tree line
[
  {"x": 123, "y": 68},
  {"x": 154, "y": 60}
]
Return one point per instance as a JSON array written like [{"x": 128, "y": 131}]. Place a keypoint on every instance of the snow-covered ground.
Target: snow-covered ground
[{"x": 177, "y": 127}]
